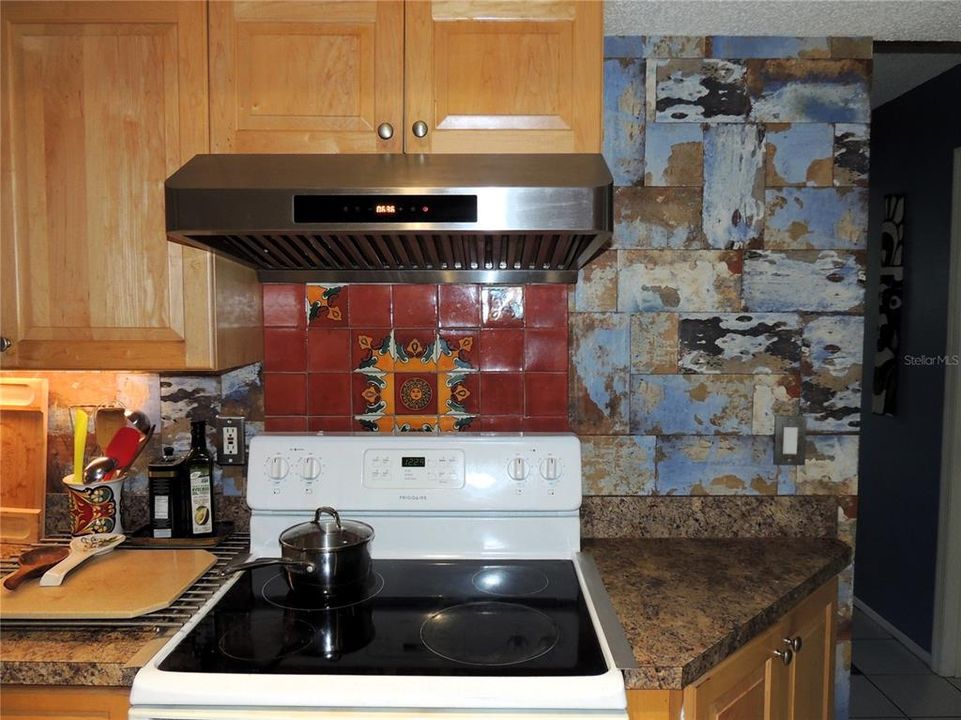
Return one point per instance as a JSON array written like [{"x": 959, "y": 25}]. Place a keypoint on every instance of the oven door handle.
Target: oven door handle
[{"x": 235, "y": 566}]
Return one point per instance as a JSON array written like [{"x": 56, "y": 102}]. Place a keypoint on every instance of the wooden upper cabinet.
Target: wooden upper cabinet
[
  {"x": 102, "y": 101},
  {"x": 503, "y": 76},
  {"x": 295, "y": 77}
]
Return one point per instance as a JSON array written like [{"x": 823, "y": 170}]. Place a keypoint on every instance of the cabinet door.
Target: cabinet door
[
  {"x": 295, "y": 77},
  {"x": 29, "y": 702},
  {"x": 750, "y": 685},
  {"x": 812, "y": 672},
  {"x": 495, "y": 76},
  {"x": 101, "y": 102}
]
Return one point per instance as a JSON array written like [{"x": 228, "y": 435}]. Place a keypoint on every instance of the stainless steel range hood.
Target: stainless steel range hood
[{"x": 396, "y": 218}]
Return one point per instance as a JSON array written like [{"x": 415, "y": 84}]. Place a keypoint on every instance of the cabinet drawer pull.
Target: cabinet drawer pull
[
  {"x": 5, "y": 344},
  {"x": 419, "y": 128},
  {"x": 786, "y": 655},
  {"x": 385, "y": 131},
  {"x": 793, "y": 643}
]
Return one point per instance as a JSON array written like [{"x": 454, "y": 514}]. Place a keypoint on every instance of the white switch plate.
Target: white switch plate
[{"x": 789, "y": 440}]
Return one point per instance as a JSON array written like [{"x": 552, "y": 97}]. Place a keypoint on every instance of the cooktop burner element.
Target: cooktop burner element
[
  {"x": 265, "y": 639},
  {"x": 277, "y": 592},
  {"x": 510, "y": 580},
  {"x": 489, "y": 633}
]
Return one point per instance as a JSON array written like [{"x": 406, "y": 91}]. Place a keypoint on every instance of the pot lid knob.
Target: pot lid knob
[{"x": 329, "y": 511}]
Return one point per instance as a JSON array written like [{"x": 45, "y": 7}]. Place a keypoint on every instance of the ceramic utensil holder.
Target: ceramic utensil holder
[{"x": 94, "y": 508}]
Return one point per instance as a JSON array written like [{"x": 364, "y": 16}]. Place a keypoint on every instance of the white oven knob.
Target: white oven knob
[
  {"x": 310, "y": 468},
  {"x": 550, "y": 468},
  {"x": 518, "y": 469},
  {"x": 277, "y": 468}
]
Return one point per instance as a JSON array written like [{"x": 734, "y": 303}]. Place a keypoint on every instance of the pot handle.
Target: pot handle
[
  {"x": 235, "y": 566},
  {"x": 329, "y": 511}
]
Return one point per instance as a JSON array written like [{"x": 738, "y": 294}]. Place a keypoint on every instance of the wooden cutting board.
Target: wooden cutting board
[{"x": 120, "y": 584}]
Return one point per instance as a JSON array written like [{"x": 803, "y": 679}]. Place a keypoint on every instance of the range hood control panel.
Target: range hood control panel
[{"x": 392, "y": 208}]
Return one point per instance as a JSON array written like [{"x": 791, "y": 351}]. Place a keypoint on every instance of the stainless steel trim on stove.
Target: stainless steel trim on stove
[
  {"x": 539, "y": 218},
  {"x": 170, "y": 618},
  {"x": 617, "y": 642}
]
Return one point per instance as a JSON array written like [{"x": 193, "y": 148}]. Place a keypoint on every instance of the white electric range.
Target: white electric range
[{"x": 480, "y": 602}]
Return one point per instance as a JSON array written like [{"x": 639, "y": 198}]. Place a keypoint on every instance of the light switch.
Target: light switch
[
  {"x": 789, "y": 440},
  {"x": 789, "y": 446}
]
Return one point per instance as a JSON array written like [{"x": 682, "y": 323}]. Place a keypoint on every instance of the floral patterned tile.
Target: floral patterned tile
[
  {"x": 458, "y": 393},
  {"x": 457, "y": 350},
  {"x": 372, "y": 350},
  {"x": 373, "y": 393},
  {"x": 415, "y": 350},
  {"x": 415, "y": 393},
  {"x": 374, "y": 423},
  {"x": 416, "y": 423},
  {"x": 327, "y": 305},
  {"x": 502, "y": 306},
  {"x": 457, "y": 423}
]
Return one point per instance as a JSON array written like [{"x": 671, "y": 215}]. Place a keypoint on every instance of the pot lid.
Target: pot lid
[{"x": 327, "y": 533}]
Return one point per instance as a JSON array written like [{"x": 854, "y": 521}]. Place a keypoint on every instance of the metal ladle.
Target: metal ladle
[{"x": 97, "y": 469}]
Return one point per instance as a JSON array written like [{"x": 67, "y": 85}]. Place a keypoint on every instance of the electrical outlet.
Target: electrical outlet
[
  {"x": 231, "y": 444},
  {"x": 789, "y": 440}
]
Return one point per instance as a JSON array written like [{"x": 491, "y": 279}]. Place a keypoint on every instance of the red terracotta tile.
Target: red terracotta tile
[
  {"x": 546, "y": 424},
  {"x": 414, "y": 305},
  {"x": 285, "y": 394},
  {"x": 284, "y": 305},
  {"x": 285, "y": 424},
  {"x": 328, "y": 350},
  {"x": 370, "y": 349},
  {"x": 370, "y": 306},
  {"x": 415, "y": 350},
  {"x": 500, "y": 423},
  {"x": 501, "y": 350},
  {"x": 545, "y": 394},
  {"x": 415, "y": 393},
  {"x": 502, "y": 306},
  {"x": 285, "y": 349},
  {"x": 458, "y": 306},
  {"x": 328, "y": 305},
  {"x": 458, "y": 349},
  {"x": 546, "y": 350},
  {"x": 372, "y": 394},
  {"x": 545, "y": 306},
  {"x": 328, "y": 393},
  {"x": 330, "y": 424},
  {"x": 502, "y": 394}
]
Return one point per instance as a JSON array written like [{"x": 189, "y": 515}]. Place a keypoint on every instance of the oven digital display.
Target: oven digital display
[
  {"x": 385, "y": 208},
  {"x": 413, "y": 462}
]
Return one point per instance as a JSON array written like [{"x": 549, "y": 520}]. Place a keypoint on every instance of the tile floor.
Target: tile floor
[{"x": 889, "y": 681}]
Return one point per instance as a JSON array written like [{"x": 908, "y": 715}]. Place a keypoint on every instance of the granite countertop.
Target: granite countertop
[{"x": 686, "y": 604}]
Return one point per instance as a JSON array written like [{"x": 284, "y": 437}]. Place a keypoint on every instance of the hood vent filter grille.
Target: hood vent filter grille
[{"x": 344, "y": 257}]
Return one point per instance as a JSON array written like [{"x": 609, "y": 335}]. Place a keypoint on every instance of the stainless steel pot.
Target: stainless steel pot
[{"x": 330, "y": 556}]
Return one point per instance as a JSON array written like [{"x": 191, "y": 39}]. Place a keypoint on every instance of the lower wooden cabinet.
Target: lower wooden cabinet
[
  {"x": 33, "y": 702},
  {"x": 786, "y": 673}
]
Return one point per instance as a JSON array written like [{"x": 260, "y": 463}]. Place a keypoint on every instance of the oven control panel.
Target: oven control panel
[
  {"x": 414, "y": 469},
  {"x": 423, "y": 472}
]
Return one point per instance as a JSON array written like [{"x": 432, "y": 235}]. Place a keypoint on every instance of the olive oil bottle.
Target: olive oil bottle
[{"x": 200, "y": 473}]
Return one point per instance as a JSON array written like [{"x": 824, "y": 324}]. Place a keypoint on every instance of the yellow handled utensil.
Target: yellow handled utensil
[{"x": 80, "y": 423}]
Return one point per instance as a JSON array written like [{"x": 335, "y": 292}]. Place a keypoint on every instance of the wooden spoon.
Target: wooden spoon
[
  {"x": 107, "y": 423},
  {"x": 35, "y": 562}
]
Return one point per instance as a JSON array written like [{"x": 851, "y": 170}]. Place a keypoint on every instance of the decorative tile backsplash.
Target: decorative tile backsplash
[{"x": 416, "y": 357}]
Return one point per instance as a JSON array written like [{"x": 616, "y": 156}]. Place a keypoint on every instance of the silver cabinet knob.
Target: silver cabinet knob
[
  {"x": 793, "y": 643},
  {"x": 786, "y": 655},
  {"x": 5, "y": 344},
  {"x": 419, "y": 128},
  {"x": 385, "y": 131}
]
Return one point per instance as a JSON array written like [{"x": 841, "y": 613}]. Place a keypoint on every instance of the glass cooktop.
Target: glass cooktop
[{"x": 413, "y": 617}]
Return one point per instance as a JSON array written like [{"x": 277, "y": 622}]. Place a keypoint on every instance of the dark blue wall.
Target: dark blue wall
[{"x": 912, "y": 143}]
